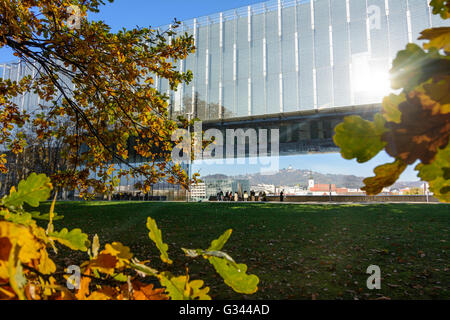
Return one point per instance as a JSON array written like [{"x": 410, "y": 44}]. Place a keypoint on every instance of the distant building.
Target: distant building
[
  {"x": 291, "y": 191},
  {"x": 327, "y": 189},
  {"x": 214, "y": 186},
  {"x": 323, "y": 189},
  {"x": 198, "y": 191},
  {"x": 267, "y": 188}
]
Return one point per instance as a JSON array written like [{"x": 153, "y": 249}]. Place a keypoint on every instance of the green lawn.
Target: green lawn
[{"x": 298, "y": 251}]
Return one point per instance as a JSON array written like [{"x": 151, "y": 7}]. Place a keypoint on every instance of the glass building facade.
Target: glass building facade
[
  {"x": 287, "y": 55},
  {"x": 292, "y": 55}
]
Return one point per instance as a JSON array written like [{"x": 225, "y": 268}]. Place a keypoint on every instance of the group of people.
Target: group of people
[{"x": 229, "y": 196}]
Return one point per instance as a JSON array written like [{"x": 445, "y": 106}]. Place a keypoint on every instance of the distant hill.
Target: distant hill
[{"x": 294, "y": 177}]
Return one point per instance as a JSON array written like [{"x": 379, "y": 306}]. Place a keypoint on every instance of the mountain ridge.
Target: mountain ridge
[{"x": 300, "y": 177}]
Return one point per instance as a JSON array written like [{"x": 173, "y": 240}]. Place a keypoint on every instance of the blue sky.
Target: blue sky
[
  {"x": 131, "y": 13},
  {"x": 324, "y": 163}
]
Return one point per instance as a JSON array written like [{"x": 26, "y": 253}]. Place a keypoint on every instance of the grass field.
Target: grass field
[{"x": 298, "y": 251}]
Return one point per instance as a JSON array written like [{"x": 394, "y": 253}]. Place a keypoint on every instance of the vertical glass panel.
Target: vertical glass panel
[
  {"x": 187, "y": 98},
  {"x": 341, "y": 84},
  {"x": 242, "y": 63},
  {"x": 187, "y": 90},
  {"x": 322, "y": 53},
  {"x": 257, "y": 59},
  {"x": 214, "y": 73},
  {"x": 200, "y": 83},
  {"x": 213, "y": 98},
  {"x": 288, "y": 52},
  {"x": 164, "y": 86},
  {"x": 398, "y": 26},
  {"x": 321, "y": 38},
  {"x": 341, "y": 53},
  {"x": 273, "y": 44},
  {"x": 273, "y": 93},
  {"x": 289, "y": 91},
  {"x": 242, "y": 32},
  {"x": 273, "y": 56},
  {"x": 358, "y": 26},
  {"x": 257, "y": 27},
  {"x": 228, "y": 56},
  {"x": 242, "y": 97},
  {"x": 419, "y": 17},
  {"x": 258, "y": 103},
  {"x": 242, "y": 66},
  {"x": 228, "y": 34},
  {"x": 200, "y": 102},
  {"x": 202, "y": 36},
  {"x": 324, "y": 87},
  {"x": 379, "y": 31},
  {"x": 228, "y": 98},
  {"x": 288, "y": 20},
  {"x": 306, "y": 57},
  {"x": 272, "y": 24}
]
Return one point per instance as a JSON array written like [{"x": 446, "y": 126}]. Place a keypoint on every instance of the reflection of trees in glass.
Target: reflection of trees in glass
[{"x": 202, "y": 110}]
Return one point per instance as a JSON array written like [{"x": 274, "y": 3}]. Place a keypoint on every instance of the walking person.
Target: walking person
[{"x": 245, "y": 196}]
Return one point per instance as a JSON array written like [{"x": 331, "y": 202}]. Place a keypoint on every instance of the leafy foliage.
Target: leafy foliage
[
  {"x": 438, "y": 174},
  {"x": 233, "y": 274},
  {"x": 97, "y": 95},
  {"x": 179, "y": 288},
  {"x": 156, "y": 237},
  {"x": 415, "y": 124},
  {"x": 385, "y": 175},
  {"x": 34, "y": 189},
  {"x": 354, "y": 129},
  {"x": 28, "y": 272}
]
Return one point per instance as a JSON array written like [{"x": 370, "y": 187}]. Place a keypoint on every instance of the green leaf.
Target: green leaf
[
  {"x": 441, "y": 7},
  {"x": 385, "y": 176},
  {"x": 179, "y": 288},
  {"x": 217, "y": 245},
  {"x": 142, "y": 269},
  {"x": 35, "y": 189},
  {"x": 19, "y": 218},
  {"x": 75, "y": 239},
  {"x": 439, "y": 38},
  {"x": 119, "y": 277},
  {"x": 413, "y": 66},
  {"x": 194, "y": 253},
  {"x": 156, "y": 237},
  {"x": 437, "y": 173},
  {"x": 46, "y": 216},
  {"x": 235, "y": 276},
  {"x": 390, "y": 107},
  {"x": 359, "y": 138}
]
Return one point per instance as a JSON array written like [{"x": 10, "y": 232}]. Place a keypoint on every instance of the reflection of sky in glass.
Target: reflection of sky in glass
[{"x": 283, "y": 56}]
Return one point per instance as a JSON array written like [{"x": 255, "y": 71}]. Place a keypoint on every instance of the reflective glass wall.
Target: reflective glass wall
[
  {"x": 288, "y": 55},
  {"x": 15, "y": 72},
  {"x": 293, "y": 55}
]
